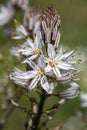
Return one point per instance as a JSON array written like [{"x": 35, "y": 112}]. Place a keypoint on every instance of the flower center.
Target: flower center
[
  {"x": 40, "y": 72},
  {"x": 20, "y": 52},
  {"x": 52, "y": 62},
  {"x": 36, "y": 50}
]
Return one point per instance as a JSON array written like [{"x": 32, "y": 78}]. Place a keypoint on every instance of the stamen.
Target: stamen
[
  {"x": 52, "y": 62},
  {"x": 20, "y": 52},
  {"x": 36, "y": 50},
  {"x": 40, "y": 72},
  {"x": 79, "y": 61}
]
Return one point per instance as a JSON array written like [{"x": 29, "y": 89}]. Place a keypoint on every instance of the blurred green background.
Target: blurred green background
[{"x": 73, "y": 35}]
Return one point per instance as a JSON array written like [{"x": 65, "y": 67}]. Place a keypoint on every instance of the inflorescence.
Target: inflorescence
[{"x": 48, "y": 63}]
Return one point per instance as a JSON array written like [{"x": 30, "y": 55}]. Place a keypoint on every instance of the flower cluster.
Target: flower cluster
[{"x": 47, "y": 63}]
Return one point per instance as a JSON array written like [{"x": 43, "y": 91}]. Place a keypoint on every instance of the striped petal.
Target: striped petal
[
  {"x": 31, "y": 63},
  {"x": 34, "y": 83},
  {"x": 65, "y": 66},
  {"x": 51, "y": 51},
  {"x": 56, "y": 71},
  {"x": 44, "y": 83},
  {"x": 67, "y": 55},
  {"x": 25, "y": 51},
  {"x": 48, "y": 68}
]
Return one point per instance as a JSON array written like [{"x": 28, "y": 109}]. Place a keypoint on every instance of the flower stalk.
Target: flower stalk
[
  {"x": 40, "y": 111},
  {"x": 34, "y": 117}
]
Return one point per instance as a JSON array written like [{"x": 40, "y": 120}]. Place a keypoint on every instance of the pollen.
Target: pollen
[
  {"x": 36, "y": 50},
  {"x": 40, "y": 72},
  {"x": 52, "y": 62},
  {"x": 20, "y": 52}
]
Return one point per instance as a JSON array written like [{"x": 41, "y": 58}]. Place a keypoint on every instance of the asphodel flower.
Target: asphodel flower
[
  {"x": 69, "y": 93},
  {"x": 6, "y": 14},
  {"x": 32, "y": 49},
  {"x": 37, "y": 74},
  {"x": 58, "y": 61},
  {"x": 21, "y": 32}
]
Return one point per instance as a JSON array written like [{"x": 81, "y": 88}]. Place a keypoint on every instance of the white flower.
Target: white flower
[
  {"x": 20, "y": 31},
  {"x": 38, "y": 74},
  {"x": 14, "y": 51},
  {"x": 69, "y": 93},
  {"x": 6, "y": 14},
  {"x": 58, "y": 62},
  {"x": 15, "y": 77},
  {"x": 68, "y": 78},
  {"x": 32, "y": 49},
  {"x": 83, "y": 98}
]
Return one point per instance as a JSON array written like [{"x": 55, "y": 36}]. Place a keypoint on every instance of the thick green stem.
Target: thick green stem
[{"x": 36, "y": 121}]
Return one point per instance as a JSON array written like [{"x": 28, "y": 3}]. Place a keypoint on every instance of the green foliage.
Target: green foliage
[{"x": 74, "y": 123}]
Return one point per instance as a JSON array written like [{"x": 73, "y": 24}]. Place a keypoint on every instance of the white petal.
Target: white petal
[
  {"x": 31, "y": 63},
  {"x": 33, "y": 57},
  {"x": 61, "y": 50},
  {"x": 74, "y": 85},
  {"x": 84, "y": 104},
  {"x": 38, "y": 39},
  {"x": 34, "y": 82},
  {"x": 83, "y": 96},
  {"x": 56, "y": 71},
  {"x": 25, "y": 75},
  {"x": 6, "y": 13},
  {"x": 65, "y": 66},
  {"x": 48, "y": 68},
  {"x": 46, "y": 59},
  {"x": 30, "y": 43},
  {"x": 21, "y": 30},
  {"x": 51, "y": 51},
  {"x": 17, "y": 37},
  {"x": 25, "y": 51},
  {"x": 72, "y": 62},
  {"x": 45, "y": 84},
  {"x": 41, "y": 62},
  {"x": 67, "y": 55}
]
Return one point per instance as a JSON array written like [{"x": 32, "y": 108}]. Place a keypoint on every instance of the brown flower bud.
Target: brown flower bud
[
  {"x": 50, "y": 24},
  {"x": 32, "y": 18}
]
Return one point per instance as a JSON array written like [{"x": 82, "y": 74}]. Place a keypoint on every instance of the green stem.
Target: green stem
[{"x": 40, "y": 111}]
